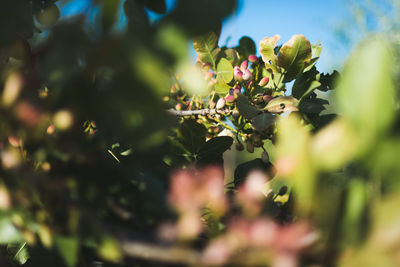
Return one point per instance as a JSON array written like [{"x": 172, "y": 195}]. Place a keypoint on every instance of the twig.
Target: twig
[
  {"x": 203, "y": 112},
  {"x": 170, "y": 254}
]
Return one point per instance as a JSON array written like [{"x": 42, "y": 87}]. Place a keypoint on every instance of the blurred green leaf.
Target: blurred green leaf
[
  {"x": 157, "y": 6},
  {"x": 365, "y": 93},
  {"x": 8, "y": 232},
  {"x": 68, "y": 249},
  {"x": 244, "y": 169}
]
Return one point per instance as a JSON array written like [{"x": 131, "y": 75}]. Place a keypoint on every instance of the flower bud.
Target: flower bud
[
  {"x": 249, "y": 146},
  {"x": 237, "y": 73},
  {"x": 178, "y": 106},
  {"x": 247, "y": 75},
  {"x": 230, "y": 99},
  {"x": 244, "y": 65},
  {"x": 264, "y": 81},
  {"x": 265, "y": 157},
  {"x": 239, "y": 146},
  {"x": 235, "y": 114},
  {"x": 236, "y": 70},
  {"x": 267, "y": 98},
  {"x": 220, "y": 103},
  {"x": 253, "y": 58},
  {"x": 239, "y": 77},
  {"x": 236, "y": 92},
  {"x": 211, "y": 104}
]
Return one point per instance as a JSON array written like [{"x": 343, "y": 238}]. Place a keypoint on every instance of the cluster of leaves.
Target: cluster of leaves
[{"x": 246, "y": 94}]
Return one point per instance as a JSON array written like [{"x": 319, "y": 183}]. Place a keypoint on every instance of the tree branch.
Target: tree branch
[{"x": 203, "y": 112}]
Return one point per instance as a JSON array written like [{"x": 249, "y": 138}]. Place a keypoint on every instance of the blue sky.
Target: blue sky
[{"x": 316, "y": 19}]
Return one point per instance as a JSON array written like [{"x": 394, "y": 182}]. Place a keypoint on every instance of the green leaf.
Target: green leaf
[
  {"x": 18, "y": 253},
  {"x": 192, "y": 135},
  {"x": 267, "y": 49},
  {"x": 263, "y": 121},
  {"x": 306, "y": 83},
  {"x": 246, "y": 47},
  {"x": 206, "y": 47},
  {"x": 313, "y": 105},
  {"x": 157, "y": 6},
  {"x": 365, "y": 94},
  {"x": 244, "y": 169},
  {"x": 328, "y": 81},
  {"x": 282, "y": 104},
  {"x": 221, "y": 88},
  {"x": 216, "y": 145},
  {"x": 224, "y": 71},
  {"x": 316, "y": 49},
  {"x": 8, "y": 232},
  {"x": 232, "y": 55},
  {"x": 246, "y": 110},
  {"x": 68, "y": 249},
  {"x": 294, "y": 55}
]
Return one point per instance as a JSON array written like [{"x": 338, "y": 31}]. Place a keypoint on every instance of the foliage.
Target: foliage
[{"x": 116, "y": 150}]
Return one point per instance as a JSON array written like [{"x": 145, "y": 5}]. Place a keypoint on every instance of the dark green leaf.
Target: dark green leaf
[
  {"x": 192, "y": 135},
  {"x": 245, "y": 108},
  {"x": 313, "y": 105},
  {"x": 244, "y": 169},
  {"x": 328, "y": 81},
  {"x": 157, "y": 6},
  {"x": 263, "y": 121},
  {"x": 306, "y": 83},
  {"x": 246, "y": 47},
  {"x": 216, "y": 145}
]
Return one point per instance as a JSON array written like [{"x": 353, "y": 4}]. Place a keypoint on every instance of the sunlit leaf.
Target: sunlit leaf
[
  {"x": 224, "y": 71},
  {"x": 205, "y": 46},
  {"x": 294, "y": 55},
  {"x": 267, "y": 49}
]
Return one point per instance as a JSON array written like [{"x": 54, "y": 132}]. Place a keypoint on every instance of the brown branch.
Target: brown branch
[
  {"x": 166, "y": 254},
  {"x": 180, "y": 255},
  {"x": 203, "y": 112}
]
